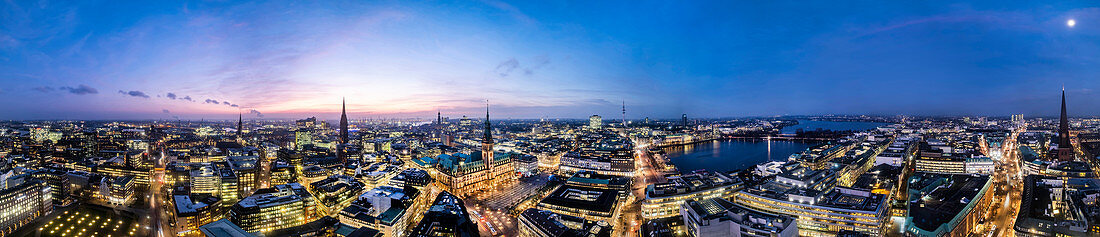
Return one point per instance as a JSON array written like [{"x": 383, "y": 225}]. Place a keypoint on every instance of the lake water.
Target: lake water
[
  {"x": 731, "y": 155},
  {"x": 809, "y": 125}
]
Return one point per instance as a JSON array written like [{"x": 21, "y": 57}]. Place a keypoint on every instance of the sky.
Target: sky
[{"x": 545, "y": 59}]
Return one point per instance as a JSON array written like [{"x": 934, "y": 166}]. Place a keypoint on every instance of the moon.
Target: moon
[{"x": 1071, "y": 22}]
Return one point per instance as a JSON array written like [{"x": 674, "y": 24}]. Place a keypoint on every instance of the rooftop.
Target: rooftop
[{"x": 935, "y": 199}]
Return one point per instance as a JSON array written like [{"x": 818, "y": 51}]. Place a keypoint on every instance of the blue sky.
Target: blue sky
[{"x": 165, "y": 59}]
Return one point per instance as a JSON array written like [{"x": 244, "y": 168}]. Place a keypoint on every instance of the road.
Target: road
[
  {"x": 1008, "y": 180},
  {"x": 644, "y": 175},
  {"x": 157, "y": 205}
]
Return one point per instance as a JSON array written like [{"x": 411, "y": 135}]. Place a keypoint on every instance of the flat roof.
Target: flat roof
[
  {"x": 592, "y": 199},
  {"x": 944, "y": 196}
]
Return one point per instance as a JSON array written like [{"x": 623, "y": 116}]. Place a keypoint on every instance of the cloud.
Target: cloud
[
  {"x": 43, "y": 89},
  {"x": 505, "y": 68},
  {"x": 540, "y": 62},
  {"x": 80, "y": 90},
  {"x": 235, "y": 105},
  {"x": 134, "y": 93},
  {"x": 256, "y": 112},
  {"x": 226, "y": 103},
  {"x": 209, "y": 101},
  {"x": 171, "y": 95},
  {"x": 509, "y": 66},
  {"x": 166, "y": 111},
  {"x": 187, "y": 98}
]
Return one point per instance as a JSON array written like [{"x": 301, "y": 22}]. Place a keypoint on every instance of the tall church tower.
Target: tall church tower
[
  {"x": 1065, "y": 149},
  {"x": 487, "y": 145},
  {"x": 343, "y": 122},
  {"x": 240, "y": 128}
]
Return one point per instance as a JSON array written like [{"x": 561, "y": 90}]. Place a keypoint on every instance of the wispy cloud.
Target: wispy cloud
[
  {"x": 170, "y": 95},
  {"x": 134, "y": 93},
  {"x": 256, "y": 113},
  {"x": 43, "y": 89},
  {"x": 166, "y": 111},
  {"x": 505, "y": 68},
  {"x": 210, "y": 101},
  {"x": 80, "y": 90}
]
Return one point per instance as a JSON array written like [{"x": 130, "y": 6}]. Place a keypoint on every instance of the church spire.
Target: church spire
[
  {"x": 488, "y": 128},
  {"x": 343, "y": 121},
  {"x": 240, "y": 123},
  {"x": 1065, "y": 149}
]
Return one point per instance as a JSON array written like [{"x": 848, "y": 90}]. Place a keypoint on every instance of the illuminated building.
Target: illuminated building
[
  {"x": 190, "y": 213},
  {"x": 336, "y": 192},
  {"x": 819, "y": 156},
  {"x": 302, "y": 138},
  {"x": 310, "y": 122},
  {"x": 411, "y": 177},
  {"x": 23, "y": 200},
  {"x": 822, "y": 208},
  {"x": 602, "y": 152},
  {"x": 224, "y": 228},
  {"x": 378, "y": 174},
  {"x": 595, "y": 122},
  {"x": 718, "y": 217},
  {"x": 385, "y": 209},
  {"x": 246, "y": 169},
  {"x": 282, "y": 173},
  {"x": 446, "y": 217},
  {"x": 270, "y": 209},
  {"x": 464, "y": 174},
  {"x": 1055, "y": 206},
  {"x": 618, "y": 162},
  {"x": 59, "y": 182},
  {"x": 118, "y": 190},
  {"x": 526, "y": 165},
  {"x": 141, "y": 176},
  {"x": 540, "y": 223},
  {"x": 899, "y": 152},
  {"x": 942, "y": 159},
  {"x": 595, "y": 204},
  {"x": 596, "y": 180},
  {"x": 947, "y": 205},
  {"x": 663, "y": 200}
]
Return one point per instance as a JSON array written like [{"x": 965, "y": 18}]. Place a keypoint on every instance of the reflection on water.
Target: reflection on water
[{"x": 731, "y": 154}]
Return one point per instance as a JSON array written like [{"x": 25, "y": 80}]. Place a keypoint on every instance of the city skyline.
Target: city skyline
[{"x": 545, "y": 60}]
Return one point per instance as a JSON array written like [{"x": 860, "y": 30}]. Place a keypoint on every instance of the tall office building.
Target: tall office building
[
  {"x": 595, "y": 121},
  {"x": 1065, "y": 149}
]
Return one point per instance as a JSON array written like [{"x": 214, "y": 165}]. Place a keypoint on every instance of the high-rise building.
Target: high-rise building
[
  {"x": 1065, "y": 149},
  {"x": 595, "y": 121}
]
